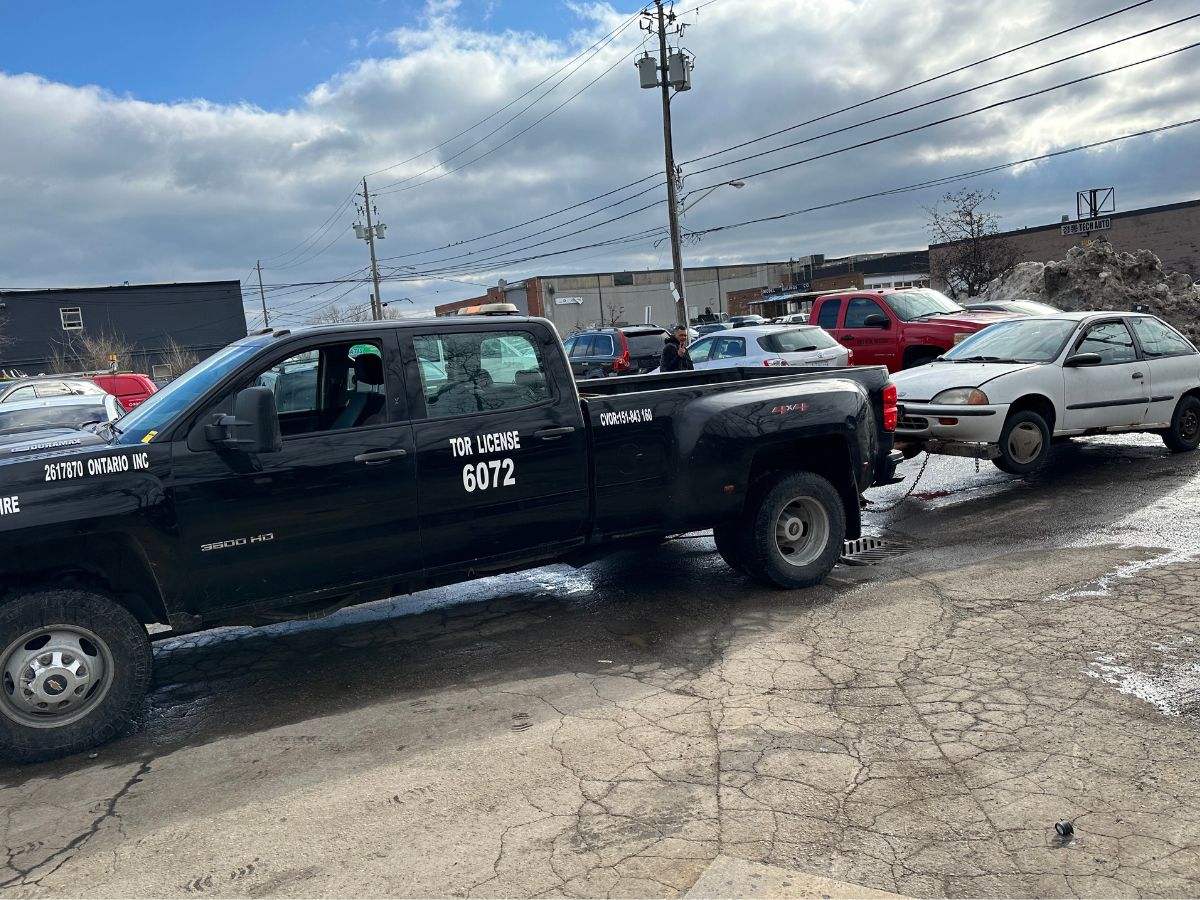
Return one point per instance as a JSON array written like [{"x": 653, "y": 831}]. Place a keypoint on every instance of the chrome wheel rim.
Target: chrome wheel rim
[
  {"x": 1025, "y": 443},
  {"x": 801, "y": 531},
  {"x": 55, "y": 675}
]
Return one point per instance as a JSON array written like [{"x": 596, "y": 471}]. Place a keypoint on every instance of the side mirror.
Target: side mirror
[
  {"x": 253, "y": 427},
  {"x": 1083, "y": 359},
  {"x": 877, "y": 321}
]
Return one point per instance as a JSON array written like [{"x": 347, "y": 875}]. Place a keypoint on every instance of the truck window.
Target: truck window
[
  {"x": 828, "y": 316},
  {"x": 859, "y": 309},
  {"x": 483, "y": 372},
  {"x": 328, "y": 388}
]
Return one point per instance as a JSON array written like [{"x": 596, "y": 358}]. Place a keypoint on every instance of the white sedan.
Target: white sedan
[
  {"x": 1005, "y": 392},
  {"x": 768, "y": 345}
]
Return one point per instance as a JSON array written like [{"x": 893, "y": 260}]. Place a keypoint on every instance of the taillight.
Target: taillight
[
  {"x": 891, "y": 409},
  {"x": 622, "y": 362},
  {"x": 775, "y": 362}
]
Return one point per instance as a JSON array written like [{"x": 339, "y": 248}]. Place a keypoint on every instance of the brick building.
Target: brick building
[{"x": 1172, "y": 232}]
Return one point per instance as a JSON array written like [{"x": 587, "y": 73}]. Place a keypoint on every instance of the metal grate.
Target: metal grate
[{"x": 870, "y": 551}]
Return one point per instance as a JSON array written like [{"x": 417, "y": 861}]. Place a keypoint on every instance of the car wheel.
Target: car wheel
[
  {"x": 74, "y": 667},
  {"x": 728, "y": 539},
  {"x": 1184, "y": 433},
  {"x": 1024, "y": 443},
  {"x": 794, "y": 531}
]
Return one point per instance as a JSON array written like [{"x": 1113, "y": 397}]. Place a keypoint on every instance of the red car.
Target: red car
[
  {"x": 131, "y": 389},
  {"x": 898, "y": 328}
]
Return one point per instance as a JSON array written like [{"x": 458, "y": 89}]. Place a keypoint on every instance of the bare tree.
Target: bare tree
[
  {"x": 615, "y": 311},
  {"x": 973, "y": 254},
  {"x": 344, "y": 315},
  {"x": 91, "y": 351},
  {"x": 177, "y": 358}
]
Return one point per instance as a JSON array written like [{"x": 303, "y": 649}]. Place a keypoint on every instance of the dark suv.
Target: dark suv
[{"x": 620, "y": 350}]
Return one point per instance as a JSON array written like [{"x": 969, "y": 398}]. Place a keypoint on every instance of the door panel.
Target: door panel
[
  {"x": 1174, "y": 366},
  {"x": 1115, "y": 394},
  {"x": 871, "y": 346}
]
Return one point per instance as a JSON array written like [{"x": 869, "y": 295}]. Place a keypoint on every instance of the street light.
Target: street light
[{"x": 736, "y": 183}]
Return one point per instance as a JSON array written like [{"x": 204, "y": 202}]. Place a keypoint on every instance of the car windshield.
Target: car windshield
[
  {"x": 143, "y": 422},
  {"x": 920, "y": 304},
  {"x": 1019, "y": 340},
  {"x": 797, "y": 340}
]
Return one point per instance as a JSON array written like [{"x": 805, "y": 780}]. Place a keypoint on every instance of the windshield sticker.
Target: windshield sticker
[
  {"x": 150, "y": 435},
  {"x": 97, "y": 465},
  {"x": 627, "y": 417},
  {"x": 10, "y": 506},
  {"x": 48, "y": 445}
]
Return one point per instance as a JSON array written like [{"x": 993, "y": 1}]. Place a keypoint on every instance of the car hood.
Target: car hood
[
  {"x": 925, "y": 382},
  {"x": 973, "y": 320},
  {"x": 45, "y": 442}
]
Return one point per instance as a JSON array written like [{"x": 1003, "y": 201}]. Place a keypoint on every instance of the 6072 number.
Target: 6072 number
[{"x": 491, "y": 474}]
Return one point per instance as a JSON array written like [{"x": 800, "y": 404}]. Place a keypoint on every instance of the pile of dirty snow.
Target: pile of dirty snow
[{"x": 1098, "y": 277}]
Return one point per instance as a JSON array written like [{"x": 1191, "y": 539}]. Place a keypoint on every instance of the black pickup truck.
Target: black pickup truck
[{"x": 297, "y": 472}]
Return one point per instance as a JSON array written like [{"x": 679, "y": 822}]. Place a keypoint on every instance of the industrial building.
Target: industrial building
[{"x": 42, "y": 329}]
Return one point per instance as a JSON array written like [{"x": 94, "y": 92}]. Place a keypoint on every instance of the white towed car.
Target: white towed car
[
  {"x": 769, "y": 345},
  {"x": 1006, "y": 392}
]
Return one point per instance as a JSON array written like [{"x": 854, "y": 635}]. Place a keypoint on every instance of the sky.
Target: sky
[{"x": 502, "y": 139}]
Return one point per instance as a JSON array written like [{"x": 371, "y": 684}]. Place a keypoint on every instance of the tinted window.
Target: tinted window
[
  {"x": 729, "y": 347},
  {"x": 70, "y": 415},
  {"x": 646, "y": 343},
  {"x": 1111, "y": 340},
  {"x": 1158, "y": 339},
  {"x": 859, "y": 309},
  {"x": 602, "y": 345},
  {"x": 569, "y": 345},
  {"x": 327, "y": 388},
  {"x": 796, "y": 340},
  {"x": 477, "y": 377},
  {"x": 701, "y": 350},
  {"x": 583, "y": 346},
  {"x": 828, "y": 316}
]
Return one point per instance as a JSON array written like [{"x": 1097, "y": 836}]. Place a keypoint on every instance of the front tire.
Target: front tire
[
  {"x": 1184, "y": 433},
  {"x": 795, "y": 531},
  {"x": 74, "y": 667},
  {"x": 1024, "y": 443}
]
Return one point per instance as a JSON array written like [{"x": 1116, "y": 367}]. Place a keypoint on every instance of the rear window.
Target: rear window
[
  {"x": 796, "y": 340},
  {"x": 645, "y": 343},
  {"x": 828, "y": 316},
  {"x": 70, "y": 415}
]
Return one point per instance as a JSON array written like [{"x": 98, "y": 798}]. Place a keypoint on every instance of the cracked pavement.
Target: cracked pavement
[{"x": 655, "y": 725}]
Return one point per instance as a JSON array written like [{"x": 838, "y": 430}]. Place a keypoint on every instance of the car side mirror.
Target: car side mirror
[
  {"x": 877, "y": 321},
  {"x": 1083, "y": 359},
  {"x": 253, "y": 427}
]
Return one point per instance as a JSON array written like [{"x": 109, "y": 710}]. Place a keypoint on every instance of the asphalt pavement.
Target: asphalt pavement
[{"x": 656, "y": 725}]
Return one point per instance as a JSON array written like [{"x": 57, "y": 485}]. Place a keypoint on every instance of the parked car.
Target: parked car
[
  {"x": 64, "y": 411},
  {"x": 769, "y": 345},
  {"x": 898, "y": 329},
  {"x": 128, "y": 387},
  {"x": 711, "y": 327},
  {"x": 41, "y": 387},
  {"x": 1007, "y": 392},
  {"x": 1020, "y": 307},
  {"x": 743, "y": 321},
  {"x": 618, "y": 350},
  {"x": 793, "y": 319},
  {"x": 206, "y": 506}
]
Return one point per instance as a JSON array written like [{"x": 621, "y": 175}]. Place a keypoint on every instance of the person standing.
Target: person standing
[{"x": 675, "y": 356}]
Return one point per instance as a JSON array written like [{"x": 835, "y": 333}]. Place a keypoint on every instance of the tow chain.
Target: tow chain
[{"x": 911, "y": 488}]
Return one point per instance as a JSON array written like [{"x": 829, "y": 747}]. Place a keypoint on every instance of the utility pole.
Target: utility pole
[
  {"x": 672, "y": 71},
  {"x": 262, "y": 294},
  {"x": 372, "y": 231}
]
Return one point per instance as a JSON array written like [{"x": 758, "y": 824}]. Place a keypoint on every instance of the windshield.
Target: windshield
[
  {"x": 797, "y": 340},
  {"x": 143, "y": 422},
  {"x": 1020, "y": 340},
  {"x": 920, "y": 304}
]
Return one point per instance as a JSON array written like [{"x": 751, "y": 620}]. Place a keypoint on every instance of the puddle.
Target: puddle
[
  {"x": 1173, "y": 689},
  {"x": 562, "y": 582}
]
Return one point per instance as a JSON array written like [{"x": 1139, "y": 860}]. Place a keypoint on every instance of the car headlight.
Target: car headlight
[{"x": 962, "y": 396}]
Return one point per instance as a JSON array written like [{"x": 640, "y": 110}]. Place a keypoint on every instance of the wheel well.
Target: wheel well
[
  {"x": 108, "y": 563},
  {"x": 912, "y": 354},
  {"x": 826, "y": 456},
  {"x": 1038, "y": 404}
]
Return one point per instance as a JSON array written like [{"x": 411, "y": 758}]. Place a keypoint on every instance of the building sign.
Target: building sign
[
  {"x": 1087, "y": 226},
  {"x": 566, "y": 301}
]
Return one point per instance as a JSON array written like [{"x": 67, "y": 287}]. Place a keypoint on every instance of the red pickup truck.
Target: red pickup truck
[{"x": 898, "y": 328}]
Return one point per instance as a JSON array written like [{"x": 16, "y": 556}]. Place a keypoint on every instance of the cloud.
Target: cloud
[{"x": 98, "y": 188}]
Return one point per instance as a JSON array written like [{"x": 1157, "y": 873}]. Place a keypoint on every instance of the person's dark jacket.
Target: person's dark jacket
[{"x": 672, "y": 359}]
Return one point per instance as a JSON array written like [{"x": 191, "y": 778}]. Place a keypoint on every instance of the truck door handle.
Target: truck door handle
[
  {"x": 379, "y": 457},
  {"x": 847, "y": 337},
  {"x": 553, "y": 434},
  {"x": 1138, "y": 376}
]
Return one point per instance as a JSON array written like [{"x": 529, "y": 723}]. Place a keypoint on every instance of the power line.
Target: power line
[{"x": 316, "y": 235}]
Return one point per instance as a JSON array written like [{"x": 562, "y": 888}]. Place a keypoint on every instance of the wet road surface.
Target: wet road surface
[{"x": 655, "y": 722}]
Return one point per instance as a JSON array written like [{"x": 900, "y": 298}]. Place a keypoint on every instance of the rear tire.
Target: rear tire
[
  {"x": 794, "y": 531},
  {"x": 1184, "y": 433},
  {"x": 1024, "y": 443},
  {"x": 728, "y": 539},
  {"x": 74, "y": 667}
]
